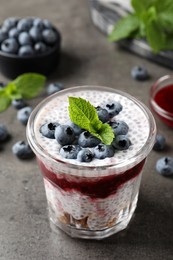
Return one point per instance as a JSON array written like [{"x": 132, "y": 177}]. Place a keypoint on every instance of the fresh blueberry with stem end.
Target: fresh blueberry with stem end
[
  {"x": 70, "y": 151},
  {"x": 165, "y": 166},
  {"x": 160, "y": 143},
  {"x": 4, "y": 134},
  {"x": 54, "y": 87},
  {"x": 24, "y": 38},
  {"x": 22, "y": 150},
  {"x": 23, "y": 114},
  {"x": 88, "y": 140},
  {"x": 13, "y": 33},
  {"x": 139, "y": 73},
  {"x": 103, "y": 114},
  {"x": 3, "y": 35},
  {"x": 64, "y": 134},
  {"x": 26, "y": 50},
  {"x": 121, "y": 142},
  {"x": 102, "y": 151},
  {"x": 24, "y": 24},
  {"x": 10, "y": 22},
  {"x": 113, "y": 108},
  {"x": 40, "y": 47},
  {"x": 10, "y": 45},
  {"x": 49, "y": 36},
  {"x": 77, "y": 129},
  {"x": 36, "y": 34},
  {"x": 85, "y": 155},
  {"x": 18, "y": 103},
  {"x": 119, "y": 127},
  {"x": 48, "y": 129}
]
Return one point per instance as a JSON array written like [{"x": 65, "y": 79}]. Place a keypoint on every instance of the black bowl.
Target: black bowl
[{"x": 12, "y": 65}]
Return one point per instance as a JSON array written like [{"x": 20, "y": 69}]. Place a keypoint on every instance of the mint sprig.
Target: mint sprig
[
  {"x": 151, "y": 20},
  {"x": 25, "y": 86},
  {"x": 84, "y": 114}
]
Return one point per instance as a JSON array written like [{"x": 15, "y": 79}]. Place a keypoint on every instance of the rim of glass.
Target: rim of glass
[
  {"x": 154, "y": 90},
  {"x": 138, "y": 157}
]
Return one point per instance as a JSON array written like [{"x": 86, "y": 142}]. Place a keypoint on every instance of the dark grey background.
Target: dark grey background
[{"x": 87, "y": 58}]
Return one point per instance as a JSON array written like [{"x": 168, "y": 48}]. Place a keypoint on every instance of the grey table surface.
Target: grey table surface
[{"x": 87, "y": 58}]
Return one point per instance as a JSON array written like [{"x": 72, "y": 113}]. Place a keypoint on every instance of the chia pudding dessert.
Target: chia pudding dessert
[{"x": 91, "y": 170}]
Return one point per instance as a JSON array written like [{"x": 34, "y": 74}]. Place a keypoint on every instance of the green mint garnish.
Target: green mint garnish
[
  {"x": 25, "y": 86},
  {"x": 84, "y": 114},
  {"x": 151, "y": 20}
]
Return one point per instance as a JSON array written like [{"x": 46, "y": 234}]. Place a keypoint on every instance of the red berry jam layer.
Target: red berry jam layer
[{"x": 101, "y": 187}]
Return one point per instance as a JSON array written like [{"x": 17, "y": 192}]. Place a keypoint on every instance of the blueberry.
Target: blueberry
[
  {"x": 24, "y": 25},
  {"x": 64, "y": 134},
  {"x": 24, "y": 38},
  {"x": 38, "y": 23},
  {"x": 103, "y": 114},
  {"x": 22, "y": 150},
  {"x": 26, "y": 50},
  {"x": 3, "y": 35},
  {"x": 102, "y": 151},
  {"x": 40, "y": 47},
  {"x": 2, "y": 85},
  {"x": 47, "y": 24},
  {"x": 4, "y": 134},
  {"x": 10, "y": 22},
  {"x": 165, "y": 166},
  {"x": 19, "y": 103},
  {"x": 85, "y": 155},
  {"x": 10, "y": 45},
  {"x": 113, "y": 108},
  {"x": 70, "y": 151},
  {"x": 35, "y": 34},
  {"x": 23, "y": 114},
  {"x": 77, "y": 130},
  {"x": 160, "y": 143},
  {"x": 48, "y": 129},
  {"x": 13, "y": 33},
  {"x": 88, "y": 140},
  {"x": 139, "y": 73},
  {"x": 121, "y": 142},
  {"x": 54, "y": 87},
  {"x": 119, "y": 127},
  {"x": 49, "y": 36}
]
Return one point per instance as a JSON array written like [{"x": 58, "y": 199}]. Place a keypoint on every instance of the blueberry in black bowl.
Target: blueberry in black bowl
[{"x": 28, "y": 45}]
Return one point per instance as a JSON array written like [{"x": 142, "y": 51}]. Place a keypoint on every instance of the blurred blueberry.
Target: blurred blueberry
[
  {"x": 26, "y": 50},
  {"x": 38, "y": 23},
  {"x": 160, "y": 143},
  {"x": 47, "y": 24},
  {"x": 54, "y": 87},
  {"x": 35, "y": 34},
  {"x": 40, "y": 47},
  {"x": 24, "y": 38},
  {"x": 139, "y": 73},
  {"x": 13, "y": 33},
  {"x": 23, "y": 114},
  {"x": 2, "y": 84},
  {"x": 165, "y": 166},
  {"x": 10, "y": 45},
  {"x": 10, "y": 22},
  {"x": 22, "y": 150},
  {"x": 24, "y": 25},
  {"x": 49, "y": 36},
  {"x": 4, "y": 134},
  {"x": 18, "y": 103},
  {"x": 3, "y": 35}
]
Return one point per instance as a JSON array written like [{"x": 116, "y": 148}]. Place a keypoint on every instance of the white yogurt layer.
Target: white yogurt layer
[{"x": 56, "y": 110}]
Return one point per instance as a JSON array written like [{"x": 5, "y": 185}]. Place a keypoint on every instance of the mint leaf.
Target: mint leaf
[
  {"x": 5, "y": 101},
  {"x": 11, "y": 91},
  {"x": 124, "y": 28},
  {"x": 142, "y": 5},
  {"x": 84, "y": 114},
  {"x": 29, "y": 85}
]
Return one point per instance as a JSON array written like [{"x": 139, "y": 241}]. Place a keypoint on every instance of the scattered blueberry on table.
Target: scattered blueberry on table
[
  {"x": 18, "y": 103},
  {"x": 160, "y": 143},
  {"x": 164, "y": 166},
  {"x": 23, "y": 114},
  {"x": 4, "y": 134},
  {"x": 22, "y": 150},
  {"x": 139, "y": 73},
  {"x": 54, "y": 87}
]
